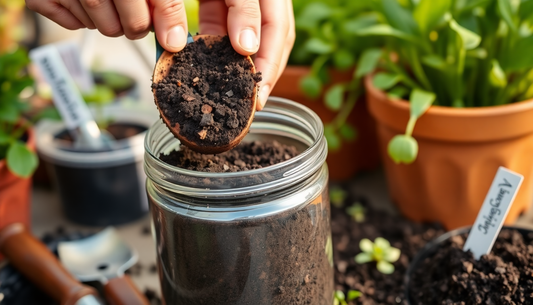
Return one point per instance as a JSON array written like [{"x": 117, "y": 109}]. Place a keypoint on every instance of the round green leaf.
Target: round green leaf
[
  {"x": 403, "y": 149},
  {"x": 311, "y": 86},
  {"x": 318, "y": 46},
  {"x": 334, "y": 97},
  {"x": 348, "y": 132},
  {"x": 382, "y": 243},
  {"x": 343, "y": 59},
  {"x": 385, "y": 267},
  {"x": 385, "y": 81},
  {"x": 20, "y": 160},
  {"x": 353, "y": 294},
  {"x": 366, "y": 245},
  {"x": 339, "y": 295},
  {"x": 363, "y": 258},
  {"x": 392, "y": 254}
]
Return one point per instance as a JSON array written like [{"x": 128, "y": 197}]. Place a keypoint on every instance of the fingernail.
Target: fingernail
[
  {"x": 248, "y": 40},
  {"x": 263, "y": 95},
  {"x": 176, "y": 37}
]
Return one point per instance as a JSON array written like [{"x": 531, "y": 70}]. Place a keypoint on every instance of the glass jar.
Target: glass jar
[{"x": 254, "y": 237}]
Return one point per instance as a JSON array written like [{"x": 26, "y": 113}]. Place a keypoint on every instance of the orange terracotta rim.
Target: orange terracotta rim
[{"x": 474, "y": 124}]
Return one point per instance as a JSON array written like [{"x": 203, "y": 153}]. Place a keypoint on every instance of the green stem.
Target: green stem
[
  {"x": 410, "y": 126},
  {"x": 346, "y": 110},
  {"x": 318, "y": 63}
]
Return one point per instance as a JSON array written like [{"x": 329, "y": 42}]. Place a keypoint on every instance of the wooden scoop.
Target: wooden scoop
[{"x": 162, "y": 69}]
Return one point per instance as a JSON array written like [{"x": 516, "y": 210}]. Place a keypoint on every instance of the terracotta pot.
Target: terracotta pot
[
  {"x": 460, "y": 150},
  {"x": 361, "y": 154},
  {"x": 15, "y": 192}
]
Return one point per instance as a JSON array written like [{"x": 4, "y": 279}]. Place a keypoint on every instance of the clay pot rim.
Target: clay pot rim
[
  {"x": 431, "y": 246},
  {"x": 495, "y": 110}
]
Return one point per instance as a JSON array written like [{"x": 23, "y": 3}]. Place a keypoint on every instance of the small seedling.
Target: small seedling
[
  {"x": 337, "y": 196},
  {"x": 357, "y": 211},
  {"x": 341, "y": 299},
  {"x": 379, "y": 251}
]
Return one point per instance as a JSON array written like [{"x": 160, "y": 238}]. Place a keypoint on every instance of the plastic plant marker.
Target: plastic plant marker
[{"x": 492, "y": 214}]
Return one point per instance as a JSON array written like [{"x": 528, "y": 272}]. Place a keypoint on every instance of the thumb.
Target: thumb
[{"x": 170, "y": 24}]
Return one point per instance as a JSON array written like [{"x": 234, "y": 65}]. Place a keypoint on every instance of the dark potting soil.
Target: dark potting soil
[
  {"x": 452, "y": 276},
  {"x": 208, "y": 92},
  {"x": 277, "y": 260},
  {"x": 119, "y": 131},
  {"x": 376, "y": 288},
  {"x": 245, "y": 156}
]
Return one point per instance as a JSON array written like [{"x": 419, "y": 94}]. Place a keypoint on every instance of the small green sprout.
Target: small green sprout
[
  {"x": 337, "y": 196},
  {"x": 341, "y": 299},
  {"x": 357, "y": 211},
  {"x": 379, "y": 251}
]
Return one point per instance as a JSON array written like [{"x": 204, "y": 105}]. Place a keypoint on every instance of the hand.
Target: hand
[{"x": 265, "y": 27}]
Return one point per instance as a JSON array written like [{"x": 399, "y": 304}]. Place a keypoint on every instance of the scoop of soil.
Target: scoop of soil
[
  {"x": 245, "y": 156},
  {"x": 208, "y": 92},
  {"x": 452, "y": 276}
]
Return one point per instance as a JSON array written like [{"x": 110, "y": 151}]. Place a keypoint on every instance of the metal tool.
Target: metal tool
[
  {"x": 33, "y": 259},
  {"x": 104, "y": 257}
]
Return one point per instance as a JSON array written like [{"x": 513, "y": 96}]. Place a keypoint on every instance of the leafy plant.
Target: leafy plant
[
  {"x": 455, "y": 53},
  {"x": 337, "y": 196},
  {"x": 326, "y": 38},
  {"x": 341, "y": 299},
  {"x": 20, "y": 160},
  {"x": 379, "y": 251},
  {"x": 357, "y": 211}
]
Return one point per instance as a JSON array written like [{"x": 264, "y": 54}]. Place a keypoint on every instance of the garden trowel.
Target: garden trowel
[{"x": 103, "y": 257}]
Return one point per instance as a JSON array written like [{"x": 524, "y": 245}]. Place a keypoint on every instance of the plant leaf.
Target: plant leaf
[
  {"x": 506, "y": 11},
  {"x": 339, "y": 295},
  {"x": 337, "y": 196},
  {"x": 399, "y": 17},
  {"x": 385, "y": 267},
  {"x": 20, "y": 160},
  {"x": 360, "y": 22},
  {"x": 333, "y": 139},
  {"x": 311, "y": 86},
  {"x": 398, "y": 92},
  {"x": 434, "y": 61},
  {"x": 334, "y": 97},
  {"x": 366, "y": 245},
  {"x": 392, "y": 255},
  {"x": 4, "y": 138},
  {"x": 363, "y": 258},
  {"x": 348, "y": 132},
  {"x": 521, "y": 58},
  {"x": 385, "y": 80},
  {"x": 403, "y": 149},
  {"x": 368, "y": 61},
  {"x": 312, "y": 14},
  {"x": 318, "y": 46},
  {"x": 428, "y": 13},
  {"x": 470, "y": 39},
  {"x": 382, "y": 243},
  {"x": 385, "y": 30},
  {"x": 420, "y": 101},
  {"x": 496, "y": 76},
  {"x": 50, "y": 113},
  {"x": 343, "y": 59},
  {"x": 8, "y": 112},
  {"x": 353, "y": 294}
]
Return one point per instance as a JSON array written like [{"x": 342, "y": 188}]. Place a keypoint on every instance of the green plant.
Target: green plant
[
  {"x": 337, "y": 196},
  {"x": 379, "y": 251},
  {"x": 341, "y": 299},
  {"x": 20, "y": 160},
  {"x": 357, "y": 211},
  {"x": 455, "y": 53},
  {"x": 325, "y": 39}
]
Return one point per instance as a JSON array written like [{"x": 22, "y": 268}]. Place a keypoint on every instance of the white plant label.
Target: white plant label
[
  {"x": 71, "y": 55},
  {"x": 492, "y": 214},
  {"x": 66, "y": 95}
]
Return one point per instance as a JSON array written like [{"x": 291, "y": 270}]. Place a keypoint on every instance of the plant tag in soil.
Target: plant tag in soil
[
  {"x": 66, "y": 95},
  {"x": 492, "y": 214}
]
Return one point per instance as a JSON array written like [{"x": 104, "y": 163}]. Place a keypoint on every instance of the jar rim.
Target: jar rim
[{"x": 309, "y": 160}]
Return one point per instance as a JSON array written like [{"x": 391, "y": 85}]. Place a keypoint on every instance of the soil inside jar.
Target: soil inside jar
[
  {"x": 452, "y": 276},
  {"x": 208, "y": 92}
]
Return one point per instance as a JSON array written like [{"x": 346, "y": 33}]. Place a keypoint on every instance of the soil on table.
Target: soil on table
[
  {"x": 245, "y": 156},
  {"x": 452, "y": 276},
  {"x": 276, "y": 260},
  {"x": 208, "y": 92},
  {"x": 409, "y": 237}
]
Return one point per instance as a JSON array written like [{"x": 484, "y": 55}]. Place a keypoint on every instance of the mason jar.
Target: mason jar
[{"x": 260, "y": 236}]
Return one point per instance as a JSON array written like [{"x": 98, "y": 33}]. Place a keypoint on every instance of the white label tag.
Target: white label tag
[
  {"x": 492, "y": 214},
  {"x": 66, "y": 95},
  {"x": 70, "y": 53}
]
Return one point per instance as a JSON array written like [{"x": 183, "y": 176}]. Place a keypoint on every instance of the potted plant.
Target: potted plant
[
  {"x": 322, "y": 68},
  {"x": 17, "y": 140},
  {"x": 466, "y": 69}
]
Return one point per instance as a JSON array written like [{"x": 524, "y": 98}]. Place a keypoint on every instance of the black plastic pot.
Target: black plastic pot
[
  {"x": 98, "y": 188},
  {"x": 433, "y": 246}
]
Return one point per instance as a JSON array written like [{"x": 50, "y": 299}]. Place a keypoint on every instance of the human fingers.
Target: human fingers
[
  {"x": 134, "y": 17},
  {"x": 54, "y": 11},
  {"x": 104, "y": 16},
  {"x": 276, "y": 37},
  {"x": 213, "y": 17},
  {"x": 170, "y": 24},
  {"x": 75, "y": 7},
  {"x": 244, "y": 25}
]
